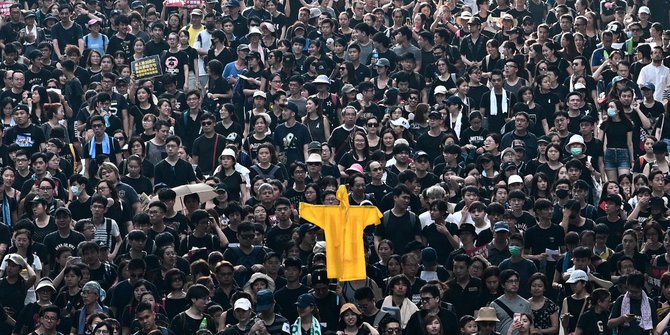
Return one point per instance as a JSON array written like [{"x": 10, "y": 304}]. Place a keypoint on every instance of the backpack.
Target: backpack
[
  {"x": 270, "y": 175},
  {"x": 387, "y": 217},
  {"x": 238, "y": 94}
]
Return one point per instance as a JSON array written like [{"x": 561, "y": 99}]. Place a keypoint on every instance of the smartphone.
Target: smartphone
[
  {"x": 517, "y": 317},
  {"x": 408, "y": 20},
  {"x": 76, "y": 260}
]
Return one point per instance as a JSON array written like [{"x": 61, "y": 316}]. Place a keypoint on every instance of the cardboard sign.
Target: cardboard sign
[
  {"x": 147, "y": 67},
  {"x": 4, "y": 7}
]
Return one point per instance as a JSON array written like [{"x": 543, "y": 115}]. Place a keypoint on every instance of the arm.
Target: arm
[
  {"x": 223, "y": 240},
  {"x": 629, "y": 140},
  {"x": 600, "y": 282},
  {"x": 117, "y": 246},
  {"x": 80, "y": 42},
  {"x": 660, "y": 328}
]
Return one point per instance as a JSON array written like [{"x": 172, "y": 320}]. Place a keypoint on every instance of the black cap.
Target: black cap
[
  {"x": 63, "y": 210},
  {"x": 588, "y": 118},
  {"x": 615, "y": 198},
  {"x": 320, "y": 277},
  {"x": 467, "y": 228}
]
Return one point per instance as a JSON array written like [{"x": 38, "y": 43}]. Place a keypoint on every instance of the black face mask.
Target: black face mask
[
  {"x": 562, "y": 193},
  {"x": 210, "y": 26}
]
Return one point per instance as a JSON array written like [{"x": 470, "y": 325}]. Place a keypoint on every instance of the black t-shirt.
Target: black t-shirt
[
  {"x": 173, "y": 63},
  {"x": 180, "y": 174},
  {"x": 80, "y": 210},
  {"x": 66, "y": 36},
  {"x": 208, "y": 150},
  {"x": 593, "y": 323},
  {"x": 140, "y": 185},
  {"x": 439, "y": 241},
  {"x": 28, "y": 139},
  {"x": 53, "y": 241},
  {"x": 277, "y": 238},
  {"x": 400, "y": 230},
  {"x": 615, "y": 133},
  {"x": 233, "y": 184}
]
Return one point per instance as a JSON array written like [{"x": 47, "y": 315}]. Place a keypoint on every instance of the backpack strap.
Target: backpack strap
[
  {"x": 504, "y": 307},
  {"x": 108, "y": 228}
]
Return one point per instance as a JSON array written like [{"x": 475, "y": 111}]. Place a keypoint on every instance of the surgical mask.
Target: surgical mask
[
  {"x": 611, "y": 112},
  {"x": 75, "y": 190},
  {"x": 514, "y": 250},
  {"x": 562, "y": 193},
  {"x": 210, "y": 26},
  {"x": 576, "y": 151}
]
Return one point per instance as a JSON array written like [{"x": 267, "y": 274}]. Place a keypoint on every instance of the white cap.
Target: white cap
[
  {"x": 440, "y": 90},
  {"x": 242, "y": 303},
  {"x": 579, "y": 86},
  {"x": 314, "y": 158},
  {"x": 401, "y": 121},
  {"x": 260, "y": 94},
  {"x": 576, "y": 276},
  {"x": 644, "y": 9},
  {"x": 228, "y": 152},
  {"x": 514, "y": 179}
]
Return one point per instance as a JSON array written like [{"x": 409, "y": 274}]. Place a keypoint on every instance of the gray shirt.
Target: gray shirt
[{"x": 518, "y": 305}]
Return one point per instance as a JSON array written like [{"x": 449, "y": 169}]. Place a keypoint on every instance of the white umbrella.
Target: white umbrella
[{"x": 204, "y": 192}]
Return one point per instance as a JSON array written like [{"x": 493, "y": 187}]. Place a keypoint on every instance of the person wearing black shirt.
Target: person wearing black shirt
[
  {"x": 10, "y": 30},
  {"x": 175, "y": 61},
  {"x": 208, "y": 146},
  {"x": 157, "y": 44},
  {"x": 286, "y": 295},
  {"x": 26, "y": 135},
  {"x": 172, "y": 170},
  {"x": 122, "y": 40},
  {"x": 66, "y": 32},
  {"x": 36, "y": 74},
  {"x": 64, "y": 236},
  {"x": 594, "y": 320}
]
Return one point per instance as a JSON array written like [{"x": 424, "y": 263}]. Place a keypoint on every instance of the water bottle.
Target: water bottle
[
  {"x": 203, "y": 324},
  {"x": 375, "y": 56}
]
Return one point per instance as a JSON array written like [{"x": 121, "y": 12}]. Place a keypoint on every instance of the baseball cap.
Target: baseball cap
[
  {"x": 440, "y": 90},
  {"x": 383, "y": 62},
  {"x": 644, "y": 9},
  {"x": 616, "y": 199},
  {"x": 63, "y": 210},
  {"x": 264, "y": 300},
  {"x": 501, "y": 226},
  {"x": 242, "y": 303},
  {"x": 320, "y": 276},
  {"x": 305, "y": 300},
  {"x": 577, "y": 275},
  {"x": 514, "y": 179},
  {"x": 648, "y": 86},
  {"x": 314, "y": 145},
  {"x": 428, "y": 256},
  {"x": 242, "y": 47},
  {"x": 401, "y": 121}
]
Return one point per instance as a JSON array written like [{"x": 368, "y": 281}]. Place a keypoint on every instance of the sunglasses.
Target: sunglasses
[
  {"x": 206, "y": 123},
  {"x": 373, "y": 124}
]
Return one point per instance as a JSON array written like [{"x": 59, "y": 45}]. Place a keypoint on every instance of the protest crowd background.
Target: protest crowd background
[{"x": 199, "y": 167}]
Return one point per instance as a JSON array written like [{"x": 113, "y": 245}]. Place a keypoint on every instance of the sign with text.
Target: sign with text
[
  {"x": 147, "y": 67},
  {"x": 4, "y": 7},
  {"x": 174, "y": 3},
  {"x": 192, "y": 4}
]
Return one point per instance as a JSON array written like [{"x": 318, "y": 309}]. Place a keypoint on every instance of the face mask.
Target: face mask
[
  {"x": 562, "y": 193},
  {"x": 210, "y": 26},
  {"x": 576, "y": 151},
  {"x": 75, "y": 190},
  {"x": 611, "y": 112},
  {"x": 514, "y": 250}
]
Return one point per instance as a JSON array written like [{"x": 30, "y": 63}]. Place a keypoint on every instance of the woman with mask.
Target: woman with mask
[{"x": 619, "y": 157}]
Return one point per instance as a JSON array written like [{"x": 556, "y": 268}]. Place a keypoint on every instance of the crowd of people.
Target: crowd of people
[{"x": 517, "y": 151}]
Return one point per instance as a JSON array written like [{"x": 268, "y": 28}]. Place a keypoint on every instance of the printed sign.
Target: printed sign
[
  {"x": 191, "y": 4},
  {"x": 174, "y": 3},
  {"x": 4, "y": 7},
  {"x": 147, "y": 67}
]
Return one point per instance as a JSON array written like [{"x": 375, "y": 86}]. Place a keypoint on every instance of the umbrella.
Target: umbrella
[{"x": 204, "y": 191}]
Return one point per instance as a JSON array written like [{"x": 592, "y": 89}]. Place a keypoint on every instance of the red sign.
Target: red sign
[
  {"x": 174, "y": 3},
  {"x": 192, "y": 4},
  {"x": 4, "y": 7}
]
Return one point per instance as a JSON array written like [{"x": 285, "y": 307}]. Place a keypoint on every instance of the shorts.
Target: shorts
[{"x": 617, "y": 158}]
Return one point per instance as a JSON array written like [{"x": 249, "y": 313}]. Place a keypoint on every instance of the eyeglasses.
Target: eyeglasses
[
  {"x": 426, "y": 299},
  {"x": 512, "y": 281},
  {"x": 102, "y": 331},
  {"x": 313, "y": 164},
  {"x": 46, "y": 188},
  {"x": 393, "y": 331},
  {"x": 50, "y": 318},
  {"x": 97, "y": 125},
  {"x": 373, "y": 124},
  {"x": 413, "y": 98},
  {"x": 247, "y": 236},
  {"x": 206, "y": 123}
]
